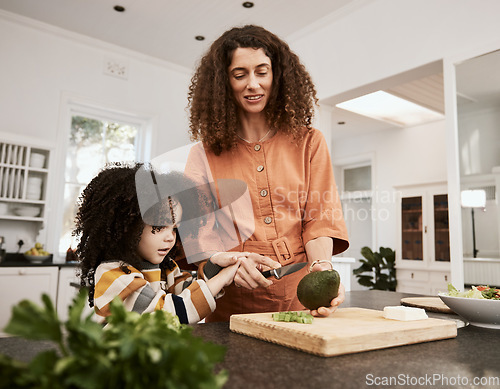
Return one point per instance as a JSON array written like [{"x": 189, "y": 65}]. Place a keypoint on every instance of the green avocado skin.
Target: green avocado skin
[{"x": 318, "y": 289}]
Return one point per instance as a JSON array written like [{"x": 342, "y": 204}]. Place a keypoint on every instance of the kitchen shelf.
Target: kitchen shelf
[{"x": 23, "y": 180}]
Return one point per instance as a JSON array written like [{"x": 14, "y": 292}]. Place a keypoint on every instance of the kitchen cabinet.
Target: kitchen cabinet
[
  {"x": 423, "y": 252},
  {"x": 20, "y": 283},
  {"x": 24, "y": 170},
  {"x": 68, "y": 287},
  {"x": 29, "y": 282}
]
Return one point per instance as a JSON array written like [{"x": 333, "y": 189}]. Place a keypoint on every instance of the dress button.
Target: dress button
[
  {"x": 268, "y": 220},
  {"x": 260, "y": 168},
  {"x": 256, "y": 147},
  {"x": 263, "y": 193}
]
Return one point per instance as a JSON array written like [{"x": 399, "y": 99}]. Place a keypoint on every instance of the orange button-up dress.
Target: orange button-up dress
[{"x": 294, "y": 199}]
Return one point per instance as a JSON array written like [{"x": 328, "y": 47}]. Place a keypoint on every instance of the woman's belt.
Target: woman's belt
[{"x": 283, "y": 248}]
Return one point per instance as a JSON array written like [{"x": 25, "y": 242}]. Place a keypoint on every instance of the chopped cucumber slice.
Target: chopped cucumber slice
[{"x": 290, "y": 316}]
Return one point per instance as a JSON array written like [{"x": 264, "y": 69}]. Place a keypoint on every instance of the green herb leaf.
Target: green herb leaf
[
  {"x": 132, "y": 351},
  {"x": 34, "y": 322}
]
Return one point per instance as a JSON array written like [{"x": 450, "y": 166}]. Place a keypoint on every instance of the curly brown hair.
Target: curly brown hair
[
  {"x": 109, "y": 222},
  {"x": 214, "y": 120}
]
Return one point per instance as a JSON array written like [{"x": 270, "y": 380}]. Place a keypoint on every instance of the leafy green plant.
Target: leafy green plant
[
  {"x": 380, "y": 268},
  {"x": 133, "y": 351}
]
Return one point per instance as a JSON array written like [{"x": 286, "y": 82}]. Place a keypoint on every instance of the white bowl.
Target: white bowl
[
  {"x": 27, "y": 211},
  {"x": 36, "y": 258},
  {"x": 37, "y": 160},
  {"x": 478, "y": 312}
]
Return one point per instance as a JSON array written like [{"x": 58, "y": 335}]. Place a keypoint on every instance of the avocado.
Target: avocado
[{"x": 318, "y": 289}]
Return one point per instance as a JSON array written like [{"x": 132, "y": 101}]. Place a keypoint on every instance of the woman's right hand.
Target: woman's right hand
[{"x": 249, "y": 274}]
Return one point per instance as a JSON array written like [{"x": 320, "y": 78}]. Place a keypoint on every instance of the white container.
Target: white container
[
  {"x": 27, "y": 211},
  {"x": 37, "y": 160},
  {"x": 34, "y": 188}
]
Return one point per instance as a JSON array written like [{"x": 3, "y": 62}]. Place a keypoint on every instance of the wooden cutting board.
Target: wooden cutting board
[
  {"x": 348, "y": 330},
  {"x": 431, "y": 304}
]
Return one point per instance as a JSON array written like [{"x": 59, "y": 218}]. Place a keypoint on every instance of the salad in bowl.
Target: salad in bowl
[{"x": 480, "y": 305}]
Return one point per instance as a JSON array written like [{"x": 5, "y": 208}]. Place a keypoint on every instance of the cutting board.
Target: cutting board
[
  {"x": 431, "y": 304},
  {"x": 346, "y": 331}
]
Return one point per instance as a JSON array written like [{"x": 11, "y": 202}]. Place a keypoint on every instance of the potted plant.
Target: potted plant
[{"x": 377, "y": 270}]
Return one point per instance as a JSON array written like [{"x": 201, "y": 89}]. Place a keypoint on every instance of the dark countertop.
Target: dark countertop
[
  {"x": 258, "y": 364},
  {"x": 18, "y": 260}
]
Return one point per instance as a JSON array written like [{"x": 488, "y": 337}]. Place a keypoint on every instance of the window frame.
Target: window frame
[{"x": 74, "y": 106}]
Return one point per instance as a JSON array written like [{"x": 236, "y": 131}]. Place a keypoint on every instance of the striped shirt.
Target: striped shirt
[{"x": 144, "y": 291}]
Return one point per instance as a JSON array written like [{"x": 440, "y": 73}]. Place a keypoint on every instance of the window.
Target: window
[
  {"x": 92, "y": 142},
  {"x": 358, "y": 179}
]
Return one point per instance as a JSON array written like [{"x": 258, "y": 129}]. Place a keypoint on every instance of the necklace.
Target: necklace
[{"x": 260, "y": 140}]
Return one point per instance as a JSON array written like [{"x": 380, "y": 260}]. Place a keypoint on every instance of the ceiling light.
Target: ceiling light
[
  {"x": 384, "y": 106},
  {"x": 199, "y": 37},
  {"x": 119, "y": 8},
  {"x": 248, "y": 4}
]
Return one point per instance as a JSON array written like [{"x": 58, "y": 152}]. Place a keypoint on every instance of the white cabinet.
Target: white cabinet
[
  {"x": 69, "y": 285},
  {"x": 423, "y": 252},
  {"x": 20, "y": 283},
  {"x": 343, "y": 267},
  {"x": 24, "y": 173}
]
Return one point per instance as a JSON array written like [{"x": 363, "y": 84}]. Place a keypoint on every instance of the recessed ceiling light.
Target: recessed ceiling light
[
  {"x": 199, "y": 37},
  {"x": 384, "y": 106},
  {"x": 119, "y": 8},
  {"x": 248, "y": 4}
]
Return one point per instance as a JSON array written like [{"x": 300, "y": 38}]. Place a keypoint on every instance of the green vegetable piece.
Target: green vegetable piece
[{"x": 290, "y": 316}]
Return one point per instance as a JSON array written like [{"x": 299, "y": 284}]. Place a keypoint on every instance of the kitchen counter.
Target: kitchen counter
[
  {"x": 258, "y": 364},
  {"x": 18, "y": 260}
]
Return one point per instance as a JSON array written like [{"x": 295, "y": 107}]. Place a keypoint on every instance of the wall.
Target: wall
[
  {"x": 377, "y": 39},
  {"x": 381, "y": 38},
  {"x": 40, "y": 64},
  {"x": 479, "y": 150},
  {"x": 401, "y": 157},
  {"x": 479, "y": 141}
]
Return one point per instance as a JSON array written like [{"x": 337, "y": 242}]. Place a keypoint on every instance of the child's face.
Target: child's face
[{"x": 154, "y": 244}]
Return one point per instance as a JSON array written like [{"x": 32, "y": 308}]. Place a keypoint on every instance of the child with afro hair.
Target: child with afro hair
[{"x": 127, "y": 250}]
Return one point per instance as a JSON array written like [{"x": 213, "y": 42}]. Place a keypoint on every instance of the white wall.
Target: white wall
[
  {"x": 39, "y": 64},
  {"x": 377, "y": 39},
  {"x": 382, "y": 38},
  {"x": 402, "y": 156},
  {"x": 479, "y": 141}
]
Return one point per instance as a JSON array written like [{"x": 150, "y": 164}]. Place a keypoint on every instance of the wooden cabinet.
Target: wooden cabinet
[
  {"x": 423, "y": 253},
  {"x": 23, "y": 181},
  {"x": 20, "y": 283}
]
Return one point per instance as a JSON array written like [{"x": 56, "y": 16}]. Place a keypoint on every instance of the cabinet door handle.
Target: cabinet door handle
[
  {"x": 446, "y": 277},
  {"x": 425, "y": 229},
  {"x": 412, "y": 275}
]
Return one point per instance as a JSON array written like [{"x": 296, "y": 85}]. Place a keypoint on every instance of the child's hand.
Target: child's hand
[
  {"x": 225, "y": 276},
  {"x": 228, "y": 258}
]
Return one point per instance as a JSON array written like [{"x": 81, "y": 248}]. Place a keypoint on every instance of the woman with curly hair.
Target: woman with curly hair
[
  {"x": 251, "y": 105},
  {"x": 127, "y": 224}
]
